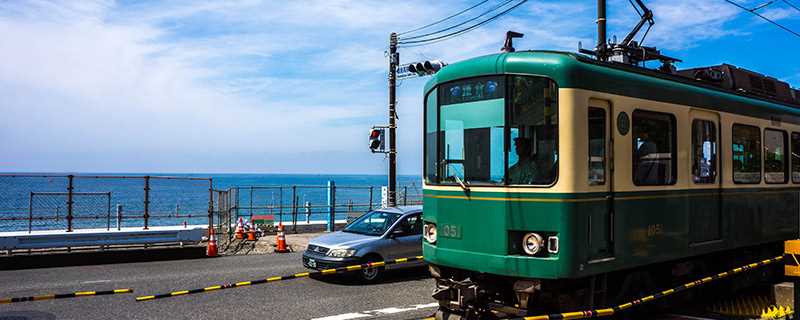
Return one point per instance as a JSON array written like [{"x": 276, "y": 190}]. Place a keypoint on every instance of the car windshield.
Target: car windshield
[{"x": 374, "y": 223}]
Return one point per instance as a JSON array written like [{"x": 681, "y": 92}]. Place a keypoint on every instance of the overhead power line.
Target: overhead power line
[
  {"x": 443, "y": 19},
  {"x": 791, "y": 5},
  {"x": 414, "y": 43},
  {"x": 460, "y": 24},
  {"x": 765, "y": 18}
]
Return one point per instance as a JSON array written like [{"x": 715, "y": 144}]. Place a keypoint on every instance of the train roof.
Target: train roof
[{"x": 572, "y": 70}]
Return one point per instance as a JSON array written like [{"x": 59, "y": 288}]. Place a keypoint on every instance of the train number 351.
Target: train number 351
[
  {"x": 655, "y": 229},
  {"x": 451, "y": 231}
]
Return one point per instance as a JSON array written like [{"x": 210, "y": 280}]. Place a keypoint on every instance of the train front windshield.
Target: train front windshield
[{"x": 497, "y": 130}]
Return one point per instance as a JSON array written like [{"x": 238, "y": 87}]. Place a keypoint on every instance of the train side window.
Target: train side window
[
  {"x": 704, "y": 151},
  {"x": 746, "y": 148},
  {"x": 597, "y": 146},
  {"x": 795, "y": 157},
  {"x": 654, "y": 148},
  {"x": 775, "y": 163}
]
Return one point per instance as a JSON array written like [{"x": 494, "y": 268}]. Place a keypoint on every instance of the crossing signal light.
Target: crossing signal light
[
  {"x": 376, "y": 140},
  {"x": 426, "y": 67}
]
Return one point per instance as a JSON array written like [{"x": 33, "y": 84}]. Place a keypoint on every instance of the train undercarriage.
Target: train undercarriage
[{"x": 467, "y": 295}]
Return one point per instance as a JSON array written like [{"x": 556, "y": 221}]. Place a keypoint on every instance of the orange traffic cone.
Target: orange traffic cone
[
  {"x": 239, "y": 229},
  {"x": 281, "y": 240},
  {"x": 211, "y": 249},
  {"x": 251, "y": 234}
]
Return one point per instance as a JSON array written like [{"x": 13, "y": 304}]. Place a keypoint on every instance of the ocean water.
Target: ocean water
[{"x": 40, "y": 202}]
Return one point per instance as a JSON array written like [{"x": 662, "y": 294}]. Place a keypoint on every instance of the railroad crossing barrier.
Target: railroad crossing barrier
[
  {"x": 65, "y": 295},
  {"x": 599, "y": 313},
  {"x": 791, "y": 267},
  {"x": 324, "y": 272}
]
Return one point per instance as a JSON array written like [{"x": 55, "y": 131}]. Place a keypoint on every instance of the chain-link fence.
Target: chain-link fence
[
  {"x": 69, "y": 202},
  {"x": 303, "y": 204}
]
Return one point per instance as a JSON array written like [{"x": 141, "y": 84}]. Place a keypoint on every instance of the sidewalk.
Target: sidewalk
[{"x": 297, "y": 242}]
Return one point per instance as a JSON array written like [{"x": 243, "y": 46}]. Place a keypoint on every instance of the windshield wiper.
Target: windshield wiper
[{"x": 462, "y": 184}]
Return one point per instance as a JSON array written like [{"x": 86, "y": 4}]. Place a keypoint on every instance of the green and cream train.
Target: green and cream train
[{"x": 552, "y": 180}]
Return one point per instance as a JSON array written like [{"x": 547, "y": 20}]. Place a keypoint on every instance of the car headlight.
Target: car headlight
[
  {"x": 341, "y": 253},
  {"x": 532, "y": 243},
  {"x": 429, "y": 232}
]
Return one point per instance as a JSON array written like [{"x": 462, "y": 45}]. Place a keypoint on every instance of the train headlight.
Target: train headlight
[
  {"x": 532, "y": 243},
  {"x": 429, "y": 232}
]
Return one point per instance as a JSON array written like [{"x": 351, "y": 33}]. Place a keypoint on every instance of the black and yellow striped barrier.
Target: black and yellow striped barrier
[
  {"x": 598, "y": 313},
  {"x": 610, "y": 311},
  {"x": 64, "y": 295},
  {"x": 281, "y": 278}
]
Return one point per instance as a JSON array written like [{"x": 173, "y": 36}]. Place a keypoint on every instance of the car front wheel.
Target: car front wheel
[{"x": 369, "y": 275}]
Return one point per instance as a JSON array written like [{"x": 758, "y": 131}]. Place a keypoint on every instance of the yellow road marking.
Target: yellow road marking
[
  {"x": 212, "y": 288},
  {"x": 243, "y": 283},
  {"x": 270, "y": 279},
  {"x": 84, "y": 293},
  {"x": 123, "y": 291},
  {"x": 300, "y": 275},
  {"x": 178, "y": 293},
  {"x": 328, "y": 271},
  {"x": 145, "y": 298}
]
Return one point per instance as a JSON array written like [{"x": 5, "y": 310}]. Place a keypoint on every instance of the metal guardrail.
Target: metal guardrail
[
  {"x": 101, "y": 238},
  {"x": 49, "y": 202}
]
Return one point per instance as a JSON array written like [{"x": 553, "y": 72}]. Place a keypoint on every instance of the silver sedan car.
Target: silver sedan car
[{"x": 383, "y": 234}]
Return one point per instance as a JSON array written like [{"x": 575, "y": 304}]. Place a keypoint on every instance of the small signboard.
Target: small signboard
[
  {"x": 266, "y": 219},
  {"x": 384, "y": 196}
]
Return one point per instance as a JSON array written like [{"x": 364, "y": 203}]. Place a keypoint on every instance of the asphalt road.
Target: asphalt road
[{"x": 403, "y": 294}]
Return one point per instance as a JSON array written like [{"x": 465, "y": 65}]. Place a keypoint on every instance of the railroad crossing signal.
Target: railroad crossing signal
[{"x": 376, "y": 140}]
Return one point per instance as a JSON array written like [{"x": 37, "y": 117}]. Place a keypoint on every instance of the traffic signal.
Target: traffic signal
[
  {"x": 376, "y": 140},
  {"x": 426, "y": 67}
]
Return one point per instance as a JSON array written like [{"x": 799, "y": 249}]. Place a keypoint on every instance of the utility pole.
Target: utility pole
[
  {"x": 394, "y": 60},
  {"x": 601, "y": 30}
]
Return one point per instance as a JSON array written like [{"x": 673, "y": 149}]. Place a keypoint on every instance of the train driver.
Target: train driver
[{"x": 524, "y": 170}]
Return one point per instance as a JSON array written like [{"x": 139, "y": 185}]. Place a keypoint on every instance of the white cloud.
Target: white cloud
[{"x": 249, "y": 85}]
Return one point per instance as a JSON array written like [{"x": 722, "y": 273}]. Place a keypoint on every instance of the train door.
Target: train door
[
  {"x": 705, "y": 210},
  {"x": 601, "y": 214}
]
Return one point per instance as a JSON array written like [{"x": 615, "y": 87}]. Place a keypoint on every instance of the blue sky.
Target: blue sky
[{"x": 286, "y": 86}]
